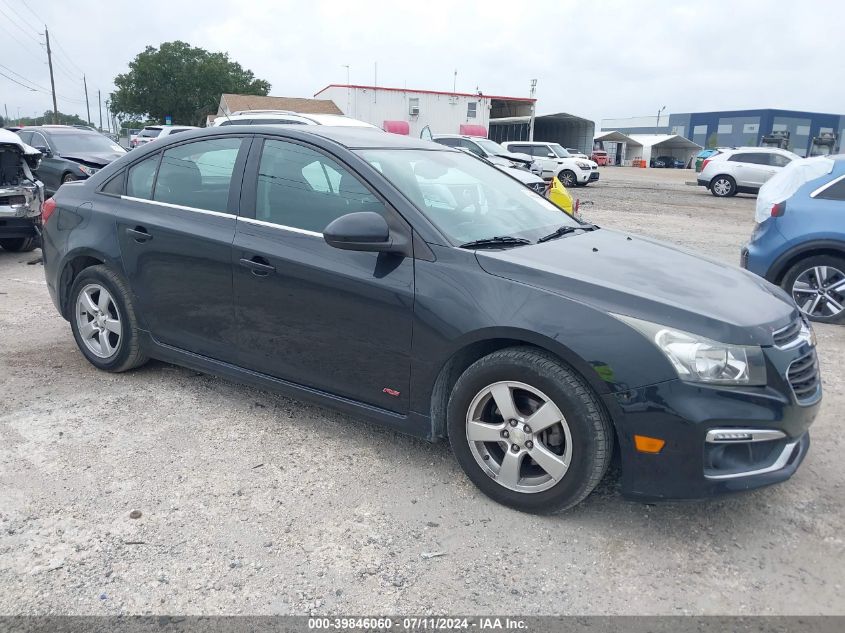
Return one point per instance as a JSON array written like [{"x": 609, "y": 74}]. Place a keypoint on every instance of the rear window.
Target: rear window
[
  {"x": 150, "y": 132},
  {"x": 836, "y": 191}
]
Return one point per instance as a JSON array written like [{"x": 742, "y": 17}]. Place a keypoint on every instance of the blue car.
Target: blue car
[{"x": 799, "y": 240}]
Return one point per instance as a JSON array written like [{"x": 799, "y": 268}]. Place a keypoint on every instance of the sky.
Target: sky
[{"x": 592, "y": 58}]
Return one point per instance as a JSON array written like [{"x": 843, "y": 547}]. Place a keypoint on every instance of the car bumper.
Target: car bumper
[
  {"x": 20, "y": 209},
  {"x": 692, "y": 464},
  {"x": 594, "y": 176},
  {"x": 703, "y": 183}
]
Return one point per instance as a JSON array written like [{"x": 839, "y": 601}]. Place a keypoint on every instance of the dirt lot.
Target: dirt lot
[{"x": 254, "y": 503}]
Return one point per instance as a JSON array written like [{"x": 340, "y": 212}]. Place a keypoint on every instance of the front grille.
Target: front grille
[
  {"x": 803, "y": 376},
  {"x": 785, "y": 336}
]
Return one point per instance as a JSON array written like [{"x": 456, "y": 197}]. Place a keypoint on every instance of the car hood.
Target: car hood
[
  {"x": 651, "y": 280},
  {"x": 98, "y": 159}
]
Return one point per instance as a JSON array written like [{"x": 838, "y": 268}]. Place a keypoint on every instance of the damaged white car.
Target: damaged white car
[{"x": 21, "y": 194}]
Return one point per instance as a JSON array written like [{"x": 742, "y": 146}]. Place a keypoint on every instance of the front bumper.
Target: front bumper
[
  {"x": 594, "y": 175},
  {"x": 690, "y": 465},
  {"x": 20, "y": 209}
]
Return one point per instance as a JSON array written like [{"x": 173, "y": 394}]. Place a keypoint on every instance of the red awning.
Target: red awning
[
  {"x": 471, "y": 129},
  {"x": 397, "y": 127}
]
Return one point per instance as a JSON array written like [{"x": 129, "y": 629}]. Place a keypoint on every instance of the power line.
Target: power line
[
  {"x": 26, "y": 79},
  {"x": 15, "y": 37},
  {"x": 16, "y": 81},
  {"x": 34, "y": 14},
  {"x": 17, "y": 21},
  {"x": 67, "y": 55}
]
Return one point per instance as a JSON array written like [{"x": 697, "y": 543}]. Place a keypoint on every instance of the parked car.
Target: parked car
[
  {"x": 491, "y": 150},
  {"x": 69, "y": 153},
  {"x": 21, "y": 193},
  {"x": 286, "y": 117},
  {"x": 742, "y": 170},
  {"x": 556, "y": 161},
  {"x": 599, "y": 157},
  {"x": 151, "y": 133},
  {"x": 669, "y": 162},
  {"x": 798, "y": 242},
  {"x": 327, "y": 263},
  {"x": 133, "y": 135}
]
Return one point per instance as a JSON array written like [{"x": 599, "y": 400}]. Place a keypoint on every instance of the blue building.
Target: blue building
[{"x": 737, "y": 127}]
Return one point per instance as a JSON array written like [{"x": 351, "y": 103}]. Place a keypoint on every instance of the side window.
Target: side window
[
  {"x": 739, "y": 158},
  {"x": 450, "y": 142},
  {"x": 198, "y": 174},
  {"x": 541, "y": 151},
  {"x": 779, "y": 160},
  {"x": 475, "y": 149},
  {"x": 304, "y": 189},
  {"x": 836, "y": 191},
  {"x": 26, "y": 137},
  {"x": 141, "y": 177},
  {"x": 38, "y": 140},
  {"x": 114, "y": 187}
]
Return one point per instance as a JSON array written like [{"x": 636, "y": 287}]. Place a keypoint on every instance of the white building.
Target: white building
[
  {"x": 406, "y": 111},
  {"x": 623, "y": 149}
]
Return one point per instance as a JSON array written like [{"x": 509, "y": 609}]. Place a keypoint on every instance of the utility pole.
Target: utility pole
[
  {"x": 108, "y": 116},
  {"x": 87, "y": 107},
  {"x": 100, "y": 108},
  {"x": 533, "y": 111},
  {"x": 52, "y": 81}
]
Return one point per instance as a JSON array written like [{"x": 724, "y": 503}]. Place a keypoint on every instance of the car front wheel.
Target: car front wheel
[
  {"x": 528, "y": 431},
  {"x": 103, "y": 320},
  {"x": 567, "y": 178},
  {"x": 723, "y": 186},
  {"x": 817, "y": 284}
]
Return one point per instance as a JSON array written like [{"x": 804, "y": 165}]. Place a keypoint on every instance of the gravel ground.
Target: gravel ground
[{"x": 254, "y": 503}]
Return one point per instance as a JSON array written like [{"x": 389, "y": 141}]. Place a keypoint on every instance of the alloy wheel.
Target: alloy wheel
[
  {"x": 722, "y": 187},
  {"x": 98, "y": 321},
  {"x": 820, "y": 291},
  {"x": 567, "y": 179},
  {"x": 519, "y": 436}
]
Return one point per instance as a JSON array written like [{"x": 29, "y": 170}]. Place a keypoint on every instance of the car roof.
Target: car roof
[
  {"x": 57, "y": 129},
  {"x": 350, "y": 137}
]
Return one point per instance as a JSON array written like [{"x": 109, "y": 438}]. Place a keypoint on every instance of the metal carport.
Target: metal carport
[
  {"x": 655, "y": 145},
  {"x": 621, "y": 149}
]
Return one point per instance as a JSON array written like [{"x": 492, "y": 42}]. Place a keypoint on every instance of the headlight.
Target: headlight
[
  {"x": 699, "y": 359},
  {"x": 88, "y": 171},
  {"x": 582, "y": 164}
]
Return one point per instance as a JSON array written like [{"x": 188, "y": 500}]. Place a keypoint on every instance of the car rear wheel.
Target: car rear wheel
[
  {"x": 19, "y": 244},
  {"x": 723, "y": 186},
  {"x": 528, "y": 431},
  {"x": 567, "y": 178},
  {"x": 103, "y": 320},
  {"x": 817, "y": 284},
  {"x": 69, "y": 178}
]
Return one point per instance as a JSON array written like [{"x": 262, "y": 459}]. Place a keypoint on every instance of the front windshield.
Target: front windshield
[
  {"x": 491, "y": 147},
  {"x": 82, "y": 142},
  {"x": 466, "y": 198},
  {"x": 561, "y": 153}
]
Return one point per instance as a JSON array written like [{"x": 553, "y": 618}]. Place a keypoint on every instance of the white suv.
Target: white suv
[
  {"x": 152, "y": 132},
  {"x": 556, "y": 161},
  {"x": 742, "y": 169},
  {"x": 285, "y": 117}
]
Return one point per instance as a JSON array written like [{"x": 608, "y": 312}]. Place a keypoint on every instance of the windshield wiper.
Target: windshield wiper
[
  {"x": 499, "y": 240},
  {"x": 566, "y": 230}
]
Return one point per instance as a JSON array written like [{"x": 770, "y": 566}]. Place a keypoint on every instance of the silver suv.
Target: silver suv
[{"x": 742, "y": 169}]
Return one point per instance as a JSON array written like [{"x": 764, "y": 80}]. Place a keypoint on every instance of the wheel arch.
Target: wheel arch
[
  {"x": 73, "y": 265},
  {"x": 782, "y": 264},
  {"x": 485, "y": 343}
]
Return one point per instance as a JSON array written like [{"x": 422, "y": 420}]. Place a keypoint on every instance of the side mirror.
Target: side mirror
[
  {"x": 361, "y": 231},
  {"x": 45, "y": 151}
]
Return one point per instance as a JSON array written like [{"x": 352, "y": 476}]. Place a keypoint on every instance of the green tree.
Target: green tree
[
  {"x": 2, "y": 122},
  {"x": 47, "y": 119},
  {"x": 713, "y": 141},
  {"x": 182, "y": 81}
]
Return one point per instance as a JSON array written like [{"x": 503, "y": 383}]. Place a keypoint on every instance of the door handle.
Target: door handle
[
  {"x": 260, "y": 267},
  {"x": 139, "y": 234}
]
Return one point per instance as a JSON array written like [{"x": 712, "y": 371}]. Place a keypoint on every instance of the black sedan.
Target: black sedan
[
  {"x": 410, "y": 284},
  {"x": 669, "y": 162},
  {"x": 69, "y": 153}
]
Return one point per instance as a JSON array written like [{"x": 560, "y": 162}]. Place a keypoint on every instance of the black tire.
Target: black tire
[
  {"x": 128, "y": 354},
  {"x": 581, "y": 184},
  {"x": 567, "y": 178},
  {"x": 726, "y": 186},
  {"x": 806, "y": 267},
  {"x": 588, "y": 422},
  {"x": 68, "y": 178},
  {"x": 19, "y": 244}
]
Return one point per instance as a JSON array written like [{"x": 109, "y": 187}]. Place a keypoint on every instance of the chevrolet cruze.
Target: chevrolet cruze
[{"x": 410, "y": 284}]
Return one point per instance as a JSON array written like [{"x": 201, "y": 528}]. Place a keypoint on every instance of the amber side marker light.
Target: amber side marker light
[{"x": 646, "y": 444}]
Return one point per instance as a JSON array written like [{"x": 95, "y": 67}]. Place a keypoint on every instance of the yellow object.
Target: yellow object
[
  {"x": 560, "y": 196},
  {"x": 646, "y": 444}
]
